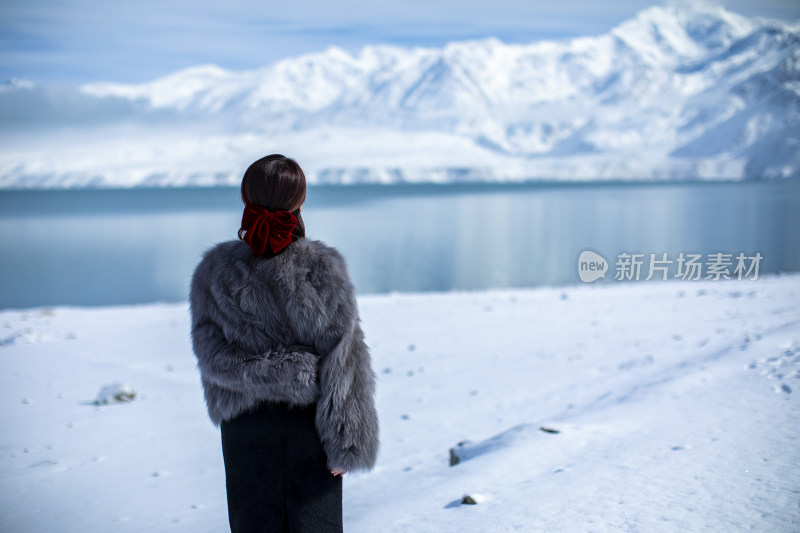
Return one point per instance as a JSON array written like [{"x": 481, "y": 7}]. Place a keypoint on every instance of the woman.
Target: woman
[{"x": 285, "y": 370}]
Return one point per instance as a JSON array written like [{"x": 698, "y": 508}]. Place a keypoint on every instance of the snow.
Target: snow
[
  {"x": 671, "y": 91},
  {"x": 675, "y": 406}
]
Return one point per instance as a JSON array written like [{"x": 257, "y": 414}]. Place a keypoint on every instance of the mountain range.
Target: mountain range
[{"x": 679, "y": 92}]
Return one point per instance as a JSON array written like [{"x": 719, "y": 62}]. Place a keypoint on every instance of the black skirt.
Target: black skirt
[{"x": 276, "y": 473}]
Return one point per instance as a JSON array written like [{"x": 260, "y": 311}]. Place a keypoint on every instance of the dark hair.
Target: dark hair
[{"x": 274, "y": 182}]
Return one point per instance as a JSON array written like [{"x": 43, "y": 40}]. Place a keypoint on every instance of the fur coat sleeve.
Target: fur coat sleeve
[
  {"x": 286, "y": 329},
  {"x": 346, "y": 418}
]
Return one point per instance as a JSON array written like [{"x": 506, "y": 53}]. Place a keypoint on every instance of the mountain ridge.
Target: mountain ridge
[{"x": 676, "y": 92}]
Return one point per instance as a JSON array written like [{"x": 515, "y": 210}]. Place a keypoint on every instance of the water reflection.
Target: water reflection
[{"x": 134, "y": 246}]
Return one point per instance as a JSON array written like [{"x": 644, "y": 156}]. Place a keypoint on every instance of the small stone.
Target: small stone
[
  {"x": 387, "y": 370},
  {"x": 412, "y": 347},
  {"x": 454, "y": 459},
  {"x": 115, "y": 393},
  {"x": 550, "y": 430},
  {"x": 468, "y": 500}
]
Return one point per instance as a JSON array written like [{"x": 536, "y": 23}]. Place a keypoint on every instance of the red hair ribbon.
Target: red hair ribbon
[{"x": 263, "y": 229}]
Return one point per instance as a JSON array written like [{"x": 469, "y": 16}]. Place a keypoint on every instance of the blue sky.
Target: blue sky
[{"x": 74, "y": 41}]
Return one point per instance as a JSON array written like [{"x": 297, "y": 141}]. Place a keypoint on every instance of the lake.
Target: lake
[{"x": 100, "y": 247}]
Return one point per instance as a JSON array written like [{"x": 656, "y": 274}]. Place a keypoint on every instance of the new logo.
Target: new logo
[{"x": 591, "y": 266}]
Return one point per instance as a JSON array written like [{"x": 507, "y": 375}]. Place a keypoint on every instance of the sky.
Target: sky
[{"x": 77, "y": 41}]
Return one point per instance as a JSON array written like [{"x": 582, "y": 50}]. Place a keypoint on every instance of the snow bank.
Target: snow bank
[{"x": 672, "y": 407}]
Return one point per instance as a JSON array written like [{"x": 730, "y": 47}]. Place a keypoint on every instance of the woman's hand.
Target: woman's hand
[{"x": 337, "y": 472}]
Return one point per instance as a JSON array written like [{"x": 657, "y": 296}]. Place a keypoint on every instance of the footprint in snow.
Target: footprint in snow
[{"x": 781, "y": 368}]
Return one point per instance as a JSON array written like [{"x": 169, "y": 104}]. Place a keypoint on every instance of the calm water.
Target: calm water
[{"x": 90, "y": 247}]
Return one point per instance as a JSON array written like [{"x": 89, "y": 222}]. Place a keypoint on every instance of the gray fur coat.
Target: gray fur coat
[{"x": 286, "y": 329}]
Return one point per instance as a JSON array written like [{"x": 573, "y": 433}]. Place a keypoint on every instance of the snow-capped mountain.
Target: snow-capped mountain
[{"x": 679, "y": 92}]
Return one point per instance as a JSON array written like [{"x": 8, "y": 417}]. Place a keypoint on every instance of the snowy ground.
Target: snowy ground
[{"x": 676, "y": 405}]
